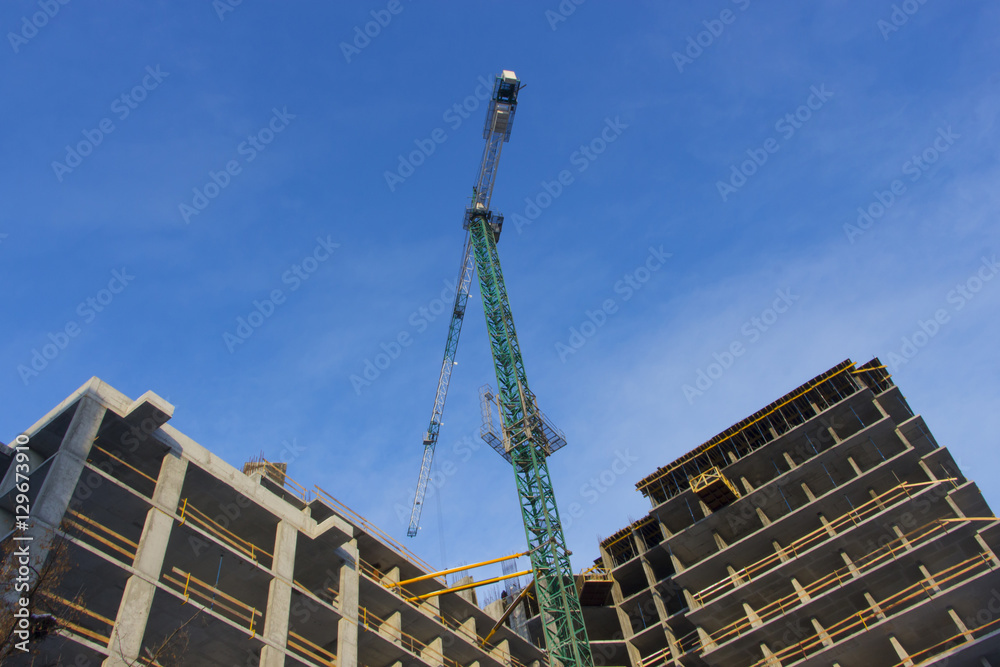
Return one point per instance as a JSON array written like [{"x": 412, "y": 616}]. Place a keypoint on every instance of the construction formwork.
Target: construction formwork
[
  {"x": 172, "y": 551},
  {"x": 828, "y": 528}
]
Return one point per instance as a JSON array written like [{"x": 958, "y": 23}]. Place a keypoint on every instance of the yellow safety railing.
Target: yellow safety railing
[
  {"x": 890, "y": 551},
  {"x": 859, "y": 621},
  {"x": 447, "y": 620},
  {"x": 848, "y": 519},
  {"x": 299, "y": 644},
  {"x": 208, "y": 595},
  {"x": 100, "y": 533},
  {"x": 187, "y": 512}
]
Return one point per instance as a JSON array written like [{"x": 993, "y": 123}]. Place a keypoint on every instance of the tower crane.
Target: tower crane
[{"x": 527, "y": 437}]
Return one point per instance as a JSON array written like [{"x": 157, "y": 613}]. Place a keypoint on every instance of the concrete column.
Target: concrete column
[
  {"x": 854, "y": 466},
  {"x": 719, "y": 542},
  {"x": 849, "y": 563},
  {"x": 959, "y": 624},
  {"x": 791, "y": 463},
  {"x": 704, "y": 508},
  {"x": 433, "y": 653},
  {"x": 501, "y": 651},
  {"x": 347, "y": 627},
  {"x": 874, "y": 606},
  {"x": 734, "y": 575},
  {"x": 782, "y": 556},
  {"x": 902, "y": 538},
  {"x": 988, "y": 550},
  {"x": 808, "y": 492},
  {"x": 752, "y": 616},
  {"x": 765, "y": 522},
  {"x": 60, "y": 483},
  {"x": 676, "y": 562},
  {"x": 929, "y": 578},
  {"x": 137, "y": 599},
  {"x": 705, "y": 639},
  {"x": 279, "y": 596},
  {"x": 769, "y": 658},
  {"x": 689, "y": 599},
  {"x": 392, "y": 629},
  {"x": 468, "y": 629},
  {"x": 746, "y": 485},
  {"x": 901, "y": 652},
  {"x": 826, "y": 524},
  {"x": 432, "y": 607},
  {"x": 467, "y": 595},
  {"x": 800, "y": 591},
  {"x": 821, "y": 632}
]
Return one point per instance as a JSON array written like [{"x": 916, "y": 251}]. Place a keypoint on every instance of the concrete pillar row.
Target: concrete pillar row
[
  {"x": 125, "y": 642},
  {"x": 279, "y": 596}
]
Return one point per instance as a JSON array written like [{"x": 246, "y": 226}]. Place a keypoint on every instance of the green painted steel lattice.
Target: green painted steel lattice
[{"x": 562, "y": 617}]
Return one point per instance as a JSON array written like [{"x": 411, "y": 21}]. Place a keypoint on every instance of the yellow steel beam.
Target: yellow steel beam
[
  {"x": 474, "y": 584},
  {"x": 459, "y": 569}
]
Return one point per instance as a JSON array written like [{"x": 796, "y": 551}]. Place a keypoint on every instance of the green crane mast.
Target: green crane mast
[{"x": 527, "y": 437}]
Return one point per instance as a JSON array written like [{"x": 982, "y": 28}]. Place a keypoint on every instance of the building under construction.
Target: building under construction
[
  {"x": 172, "y": 552},
  {"x": 828, "y": 528}
]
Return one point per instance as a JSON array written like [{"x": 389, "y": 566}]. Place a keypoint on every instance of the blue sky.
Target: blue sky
[{"x": 203, "y": 154}]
